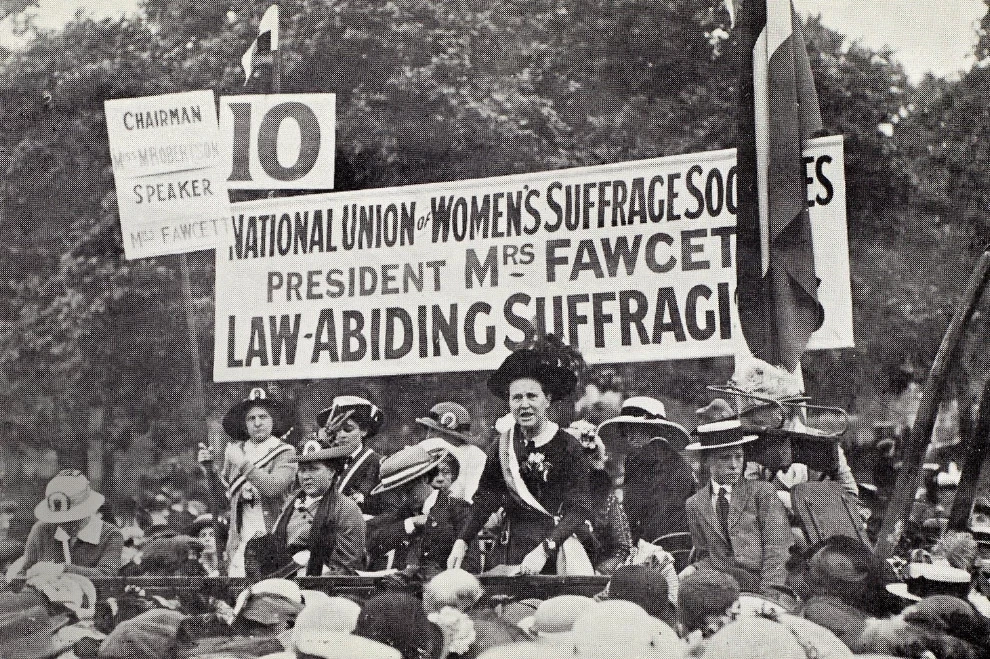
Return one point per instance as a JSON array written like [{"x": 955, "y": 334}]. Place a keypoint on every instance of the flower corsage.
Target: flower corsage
[
  {"x": 457, "y": 627},
  {"x": 537, "y": 464}
]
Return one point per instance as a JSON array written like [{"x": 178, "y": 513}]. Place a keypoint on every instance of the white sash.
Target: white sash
[
  {"x": 353, "y": 469},
  {"x": 265, "y": 460},
  {"x": 510, "y": 471}
]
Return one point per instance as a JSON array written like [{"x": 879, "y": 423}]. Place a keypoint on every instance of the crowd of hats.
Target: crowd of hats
[
  {"x": 634, "y": 617},
  {"x": 845, "y": 602}
]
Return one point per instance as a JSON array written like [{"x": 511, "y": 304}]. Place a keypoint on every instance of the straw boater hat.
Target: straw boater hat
[
  {"x": 553, "y": 620},
  {"x": 643, "y": 411},
  {"x": 361, "y": 409},
  {"x": 550, "y": 362},
  {"x": 450, "y": 419},
  {"x": 235, "y": 425},
  {"x": 719, "y": 427},
  {"x": 68, "y": 498},
  {"x": 406, "y": 466},
  {"x": 924, "y": 579}
]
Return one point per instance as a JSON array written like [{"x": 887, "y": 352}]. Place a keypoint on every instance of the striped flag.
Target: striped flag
[
  {"x": 266, "y": 41},
  {"x": 777, "y": 286}
]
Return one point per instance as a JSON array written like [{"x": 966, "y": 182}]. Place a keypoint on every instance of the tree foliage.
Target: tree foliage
[{"x": 434, "y": 90}]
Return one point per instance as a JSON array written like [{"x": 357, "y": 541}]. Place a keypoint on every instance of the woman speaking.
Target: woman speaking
[{"x": 535, "y": 471}]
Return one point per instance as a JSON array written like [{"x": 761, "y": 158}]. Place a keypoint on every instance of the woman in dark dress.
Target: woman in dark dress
[
  {"x": 658, "y": 481},
  {"x": 536, "y": 471}
]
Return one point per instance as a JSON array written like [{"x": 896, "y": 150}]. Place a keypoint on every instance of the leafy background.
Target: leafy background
[{"x": 94, "y": 362}]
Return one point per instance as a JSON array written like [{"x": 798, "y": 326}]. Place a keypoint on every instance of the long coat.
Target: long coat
[
  {"x": 657, "y": 485},
  {"x": 273, "y": 482},
  {"x": 336, "y": 537},
  {"x": 758, "y": 529}
]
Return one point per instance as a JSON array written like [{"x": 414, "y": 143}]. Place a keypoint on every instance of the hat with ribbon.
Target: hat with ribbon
[
  {"x": 68, "y": 498},
  {"x": 551, "y": 363},
  {"x": 647, "y": 412},
  {"x": 235, "y": 425},
  {"x": 450, "y": 419},
  {"x": 924, "y": 579},
  {"x": 270, "y": 602},
  {"x": 719, "y": 427},
  {"x": 361, "y": 410},
  {"x": 317, "y": 450},
  {"x": 406, "y": 466}
]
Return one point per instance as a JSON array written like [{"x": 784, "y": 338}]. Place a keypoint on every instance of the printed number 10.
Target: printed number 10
[{"x": 309, "y": 141}]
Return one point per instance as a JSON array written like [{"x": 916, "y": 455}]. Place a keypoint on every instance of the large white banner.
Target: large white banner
[
  {"x": 166, "y": 155},
  {"x": 628, "y": 262}
]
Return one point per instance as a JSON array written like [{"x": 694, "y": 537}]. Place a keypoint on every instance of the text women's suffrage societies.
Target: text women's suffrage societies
[{"x": 628, "y": 262}]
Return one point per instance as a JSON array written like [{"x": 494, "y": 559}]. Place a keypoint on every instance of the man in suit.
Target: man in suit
[{"x": 737, "y": 525}]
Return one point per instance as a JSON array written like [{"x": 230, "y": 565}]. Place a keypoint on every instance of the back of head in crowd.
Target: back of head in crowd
[
  {"x": 455, "y": 588},
  {"x": 703, "y": 598}
]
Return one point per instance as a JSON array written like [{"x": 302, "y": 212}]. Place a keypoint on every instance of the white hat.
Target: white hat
[
  {"x": 338, "y": 645},
  {"x": 644, "y": 411},
  {"x": 334, "y": 614},
  {"x": 622, "y": 629},
  {"x": 68, "y": 498},
  {"x": 719, "y": 427}
]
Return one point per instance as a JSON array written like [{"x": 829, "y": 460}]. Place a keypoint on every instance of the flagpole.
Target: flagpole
[
  {"x": 197, "y": 371},
  {"x": 276, "y": 83},
  {"x": 277, "y": 55},
  {"x": 899, "y": 508}
]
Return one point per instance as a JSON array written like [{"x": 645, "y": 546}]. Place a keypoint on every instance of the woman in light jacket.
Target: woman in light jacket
[{"x": 257, "y": 473}]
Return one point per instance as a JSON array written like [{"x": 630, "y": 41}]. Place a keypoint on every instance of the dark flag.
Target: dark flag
[{"x": 778, "y": 111}]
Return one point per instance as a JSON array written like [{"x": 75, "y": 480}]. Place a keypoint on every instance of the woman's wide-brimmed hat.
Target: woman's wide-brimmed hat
[
  {"x": 219, "y": 525},
  {"x": 720, "y": 427},
  {"x": 553, "y": 620},
  {"x": 450, "y": 419},
  {"x": 642, "y": 411},
  {"x": 406, "y": 466},
  {"x": 235, "y": 425},
  {"x": 551, "y": 363},
  {"x": 315, "y": 450},
  {"x": 361, "y": 410},
  {"x": 68, "y": 498},
  {"x": 924, "y": 579}
]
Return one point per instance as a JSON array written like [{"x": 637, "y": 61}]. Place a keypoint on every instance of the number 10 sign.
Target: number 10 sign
[{"x": 279, "y": 141}]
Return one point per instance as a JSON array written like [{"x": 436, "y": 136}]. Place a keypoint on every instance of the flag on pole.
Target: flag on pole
[
  {"x": 777, "y": 286},
  {"x": 266, "y": 41}
]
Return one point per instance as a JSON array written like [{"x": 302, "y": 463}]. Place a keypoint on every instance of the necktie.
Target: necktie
[
  {"x": 722, "y": 512},
  {"x": 63, "y": 537}
]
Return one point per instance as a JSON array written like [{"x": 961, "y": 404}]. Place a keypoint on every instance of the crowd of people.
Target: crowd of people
[{"x": 745, "y": 537}]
